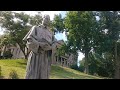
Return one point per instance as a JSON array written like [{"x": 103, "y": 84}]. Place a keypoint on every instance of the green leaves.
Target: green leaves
[
  {"x": 36, "y": 20},
  {"x": 81, "y": 28},
  {"x": 17, "y": 25},
  {"x": 58, "y": 23}
]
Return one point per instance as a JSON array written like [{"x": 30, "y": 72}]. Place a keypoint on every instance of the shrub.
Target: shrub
[
  {"x": 13, "y": 74},
  {"x": 81, "y": 68},
  {"x": 7, "y": 54},
  {"x": 75, "y": 67}
]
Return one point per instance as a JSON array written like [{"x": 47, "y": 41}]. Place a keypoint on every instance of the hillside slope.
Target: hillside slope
[{"x": 57, "y": 72}]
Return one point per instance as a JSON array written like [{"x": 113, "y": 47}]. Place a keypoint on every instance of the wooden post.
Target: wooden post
[
  {"x": 66, "y": 62},
  {"x": 57, "y": 60},
  {"x": 61, "y": 61},
  {"x": 0, "y": 71}
]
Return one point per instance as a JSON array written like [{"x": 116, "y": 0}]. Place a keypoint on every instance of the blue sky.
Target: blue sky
[
  {"x": 1, "y": 31},
  {"x": 58, "y": 36},
  {"x": 62, "y": 36}
]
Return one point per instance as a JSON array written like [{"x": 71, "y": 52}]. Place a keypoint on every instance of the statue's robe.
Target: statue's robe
[{"x": 39, "y": 42}]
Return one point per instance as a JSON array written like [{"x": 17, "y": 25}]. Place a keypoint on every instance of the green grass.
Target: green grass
[
  {"x": 57, "y": 72},
  {"x": 17, "y": 65}
]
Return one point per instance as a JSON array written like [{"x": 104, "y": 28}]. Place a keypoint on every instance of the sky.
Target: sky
[
  {"x": 51, "y": 13},
  {"x": 58, "y": 36},
  {"x": 1, "y": 31}
]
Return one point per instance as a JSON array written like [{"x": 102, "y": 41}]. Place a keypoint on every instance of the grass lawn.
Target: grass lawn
[{"x": 57, "y": 72}]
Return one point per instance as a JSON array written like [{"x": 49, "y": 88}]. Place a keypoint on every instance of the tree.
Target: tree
[
  {"x": 82, "y": 65},
  {"x": 5, "y": 41},
  {"x": 117, "y": 61},
  {"x": 17, "y": 25},
  {"x": 81, "y": 26},
  {"x": 58, "y": 23},
  {"x": 103, "y": 66},
  {"x": 111, "y": 31}
]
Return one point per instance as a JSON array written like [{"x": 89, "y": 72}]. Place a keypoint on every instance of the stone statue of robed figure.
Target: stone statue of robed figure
[{"x": 40, "y": 42}]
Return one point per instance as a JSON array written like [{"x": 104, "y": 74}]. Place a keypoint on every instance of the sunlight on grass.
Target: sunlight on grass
[
  {"x": 8, "y": 65},
  {"x": 57, "y": 72}
]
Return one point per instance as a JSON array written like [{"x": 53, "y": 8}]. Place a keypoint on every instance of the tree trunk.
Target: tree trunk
[
  {"x": 117, "y": 67},
  {"x": 25, "y": 54},
  {"x": 23, "y": 50},
  {"x": 86, "y": 63},
  {"x": 4, "y": 50}
]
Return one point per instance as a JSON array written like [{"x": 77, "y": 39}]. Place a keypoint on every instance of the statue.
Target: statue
[{"x": 40, "y": 42}]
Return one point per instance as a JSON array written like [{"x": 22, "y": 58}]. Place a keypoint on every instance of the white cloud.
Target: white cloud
[
  {"x": 59, "y": 36},
  {"x": 1, "y": 31},
  {"x": 27, "y": 12},
  {"x": 51, "y": 13},
  {"x": 64, "y": 36},
  {"x": 80, "y": 56}
]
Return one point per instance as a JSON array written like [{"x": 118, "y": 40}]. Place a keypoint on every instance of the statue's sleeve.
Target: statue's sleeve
[
  {"x": 32, "y": 43},
  {"x": 46, "y": 45}
]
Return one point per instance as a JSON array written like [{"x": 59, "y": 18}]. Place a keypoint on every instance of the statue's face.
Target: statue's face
[{"x": 46, "y": 20}]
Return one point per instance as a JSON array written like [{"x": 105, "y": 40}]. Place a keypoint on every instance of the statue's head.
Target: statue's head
[{"x": 46, "y": 20}]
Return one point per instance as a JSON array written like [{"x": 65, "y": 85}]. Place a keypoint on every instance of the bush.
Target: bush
[
  {"x": 7, "y": 54},
  {"x": 13, "y": 74},
  {"x": 81, "y": 68},
  {"x": 74, "y": 67},
  {"x": 99, "y": 66}
]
